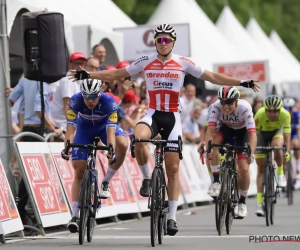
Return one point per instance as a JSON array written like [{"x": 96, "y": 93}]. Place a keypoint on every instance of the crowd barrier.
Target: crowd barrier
[{"x": 48, "y": 179}]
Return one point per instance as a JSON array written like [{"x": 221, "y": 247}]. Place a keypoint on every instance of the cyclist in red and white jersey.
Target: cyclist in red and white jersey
[
  {"x": 228, "y": 118},
  {"x": 164, "y": 75}
]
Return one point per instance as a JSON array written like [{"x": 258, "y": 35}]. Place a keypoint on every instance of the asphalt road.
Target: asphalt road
[{"x": 196, "y": 231}]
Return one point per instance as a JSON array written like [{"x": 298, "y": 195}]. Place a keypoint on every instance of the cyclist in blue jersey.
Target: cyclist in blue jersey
[
  {"x": 92, "y": 114},
  {"x": 289, "y": 104}
]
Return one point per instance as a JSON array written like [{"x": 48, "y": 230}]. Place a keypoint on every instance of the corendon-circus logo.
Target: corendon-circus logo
[
  {"x": 162, "y": 84},
  {"x": 163, "y": 75}
]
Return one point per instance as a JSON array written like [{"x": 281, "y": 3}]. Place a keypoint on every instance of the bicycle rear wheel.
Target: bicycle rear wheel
[
  {"x": 221, "y": 202},
  {"x": 267, "y": 194},
  {"x": 162, "y": 215},
  {"x": 85, "y": 198},
  {"x": 154, "y": 207},
  {"x": 290, "y": 184},
  {"x": 232, "y": 196},
  {"x": 94, "y": 206}
]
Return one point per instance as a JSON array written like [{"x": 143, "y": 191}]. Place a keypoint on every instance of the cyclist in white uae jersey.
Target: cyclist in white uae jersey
[
  {"x": 164, "y": 73},
  {"x": 230, "y": 117}
]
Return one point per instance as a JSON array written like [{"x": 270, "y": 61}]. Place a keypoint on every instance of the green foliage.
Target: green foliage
[{"x": 281, "y": 15}]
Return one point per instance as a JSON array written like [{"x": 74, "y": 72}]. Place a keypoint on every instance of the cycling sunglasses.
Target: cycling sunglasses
[
  {"x": 167, "y": 40},
  {"x": 228, "y": 102},
  {"x": 91, "y": 96}
]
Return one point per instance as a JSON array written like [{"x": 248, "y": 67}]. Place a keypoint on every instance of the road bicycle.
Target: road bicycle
[
  {"x": 157, "y": 198},
  {"x": 89, "y": 197},
  {"x": 271, "y": 189},
  {"x": 229, "y": 193}
]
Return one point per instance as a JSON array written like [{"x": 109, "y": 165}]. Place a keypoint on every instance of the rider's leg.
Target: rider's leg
[
  {"x": 295, "y": 144},
  {"x": 260, "y": 161},
  {"x": 143, "y": 131},
  {"x": 244, "y": 178},
  {"x": 278, "y": 157}
]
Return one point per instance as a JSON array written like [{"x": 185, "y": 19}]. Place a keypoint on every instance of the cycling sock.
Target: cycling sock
[
  {"x": 211, "y": 176},
  {"x": 280, "y": 170},
  {"x": 172, "y": 210},
  {"x": 75, "y": 209},
  {"x": 215, "y": 170},
  {"x": 259, "y": 198},
  {"x": 109, "y": 174},
  {"x": 145, "y": 171},
  {"x": 243, "y": 195}
]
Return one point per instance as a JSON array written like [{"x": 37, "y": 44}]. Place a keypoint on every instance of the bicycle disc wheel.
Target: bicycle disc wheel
[
  {"x": 154, "y": 208},
  {"x": 232, "y": 186},
  {"x": 290, "y": 184},
  {"x": 222, "y": 201},
  {"x": 92, "y": 214},
  {"x": 84, "y": 204},
  {"x": 267, "y": 194},
  {"x": 162, "y": 216},
  {"x": 273, "y": 195}
]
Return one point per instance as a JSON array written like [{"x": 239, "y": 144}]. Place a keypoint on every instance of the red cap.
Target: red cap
[
  {"x": 110, "y": 67},
  {"x": 117, "y": 99},
  {"x": 130, "y": 96},
  {"x": 76, "y": 56},
  {"x": 122, "y": 64}
]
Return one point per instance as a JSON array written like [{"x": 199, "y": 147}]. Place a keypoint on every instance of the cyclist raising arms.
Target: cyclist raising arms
[
  {"x": 164, "y": 74},
  {"x": 231, "y": 117},
  {"x": 92, "y": 114},
  {"x": 273, "y": 124}
]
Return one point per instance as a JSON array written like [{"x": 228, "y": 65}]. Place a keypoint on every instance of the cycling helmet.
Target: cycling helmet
[
  {"x": 229, "y": 93},
  {"x": 165, "y": 29},
  {"x": 273, "y": 102},
  {"x": 288, "y": 103},
  {"x": 90, "y": 86}
]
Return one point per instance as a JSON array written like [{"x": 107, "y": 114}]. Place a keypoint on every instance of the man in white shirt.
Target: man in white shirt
[
  {"x": 187, "y": 102},
  {"x": 65, "y": 90}
]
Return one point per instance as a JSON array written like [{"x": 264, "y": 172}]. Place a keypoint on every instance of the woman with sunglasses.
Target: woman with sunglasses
[
  {"x": 231, "y": 117},
  {"x": 92, "y": 114},
  {"x": 164, "y": 75}
]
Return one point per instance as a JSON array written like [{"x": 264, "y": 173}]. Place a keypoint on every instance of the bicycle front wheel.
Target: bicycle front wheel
[
  {"x": 154, "y": 207},
  {"x": 232, "y": 200},
  {"x": 92, "y": 213},
  {"x": 273, "y": 194},
  {"x": 85, "y": 198},
  {"x": 162, "y": 215},
  {"x": 267, "y": 194},
  {"x": 290, "y": 184}
]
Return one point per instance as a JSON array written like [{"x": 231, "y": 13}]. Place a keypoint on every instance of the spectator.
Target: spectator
[
  {"x": 187, "y": 102},
  {"x": 256, "y": 106},
  {"x": 190, "y": 130},
  {"x": 99, "y": 52}
]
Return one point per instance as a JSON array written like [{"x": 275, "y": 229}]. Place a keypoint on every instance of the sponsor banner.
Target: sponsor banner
[
  {"x": 143, "y": 42},
  {"x": 43, "y": 181},
  {"x": 120, "y": 188},
  {"x": 247, "y": 70},
  {"x": 9, "y": 215}
]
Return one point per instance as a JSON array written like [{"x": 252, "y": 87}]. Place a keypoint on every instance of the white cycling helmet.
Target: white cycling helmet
[
  {"x": 228, "y": 93},
  {"x": 288, "y": 102},
  {"x": 165, "y": 29},
  {"x": 90, "y": 86}
]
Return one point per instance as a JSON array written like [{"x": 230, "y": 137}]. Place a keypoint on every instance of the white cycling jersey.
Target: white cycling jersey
[
  {"x": 164, "y": 79},
  {"x": 241, "y": 118}
]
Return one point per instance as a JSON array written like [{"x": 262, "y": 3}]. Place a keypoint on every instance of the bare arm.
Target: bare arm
[
  {"x": 252, "y": 141},
  {"x": 66, "y": 105},
  {"x": 48, "y": 123},
  {"x": 221, "y": 79},
  {"x": 287, "y": 141},
  {"x": 70, "y": 133},
  {"x": 111, "y": 137},
  {"x": 209, "y": 134}
]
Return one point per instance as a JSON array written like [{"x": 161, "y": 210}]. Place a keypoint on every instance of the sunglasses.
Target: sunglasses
[
  {"x": 227, "y": 102},
  {"x": 91, "y": 96},
  {"x": 272, "y": 111},
  {"x": 167, "y": 40}
]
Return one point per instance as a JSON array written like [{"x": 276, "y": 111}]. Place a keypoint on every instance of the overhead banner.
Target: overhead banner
[
  {"x": 139, "y": 41},
  {"x": 44, "y": 183},
  {"x": 245, "y": 70},
  {"x": 9, "y": 215}
]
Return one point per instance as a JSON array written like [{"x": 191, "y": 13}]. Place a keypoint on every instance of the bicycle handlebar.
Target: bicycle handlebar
[
  {"x": 270, "y": 148},
  {"x": 94, "y": 146},
  {"x": 157, "y": 142},
  {"x": 228, "y": 147}
]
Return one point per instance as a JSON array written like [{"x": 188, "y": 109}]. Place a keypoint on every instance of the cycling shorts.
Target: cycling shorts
[
  {"x": 87, "y": 137},
  {"x": 263, "y": 139},
  {"x": 167, "y": 124},
  {"x": 227, "y": 134}
]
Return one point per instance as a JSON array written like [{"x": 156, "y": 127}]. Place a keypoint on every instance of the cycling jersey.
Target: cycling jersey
[
  {"x": 92, "y": 122},
  {"x": 295, "y": 124},
  {"x": 164, "y": 80},
  {"x": 263, "y": 124},
  {"x": 241, "y": 118}
]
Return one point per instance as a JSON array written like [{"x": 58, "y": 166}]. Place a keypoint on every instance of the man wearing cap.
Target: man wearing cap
[
  {"x": 65, "y": 90},
  {"x": 99, "y": 52}
]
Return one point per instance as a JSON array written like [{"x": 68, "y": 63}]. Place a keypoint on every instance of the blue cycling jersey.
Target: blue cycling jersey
[
  {"x": 92, "y": 122},
  {"x": 295, "y": 124}
]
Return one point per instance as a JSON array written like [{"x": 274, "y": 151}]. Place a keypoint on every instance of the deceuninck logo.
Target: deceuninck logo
[{"x": 273, "y": 238}]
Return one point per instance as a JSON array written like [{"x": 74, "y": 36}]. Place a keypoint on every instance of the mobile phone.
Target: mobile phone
[{"x": 128, "y": 78}]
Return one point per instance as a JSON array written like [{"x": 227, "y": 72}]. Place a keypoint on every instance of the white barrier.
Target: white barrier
[{"x": 9, "y": 216}]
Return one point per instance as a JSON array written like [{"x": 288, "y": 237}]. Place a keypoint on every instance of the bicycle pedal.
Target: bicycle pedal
[{"x": 238, "y": 217}]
